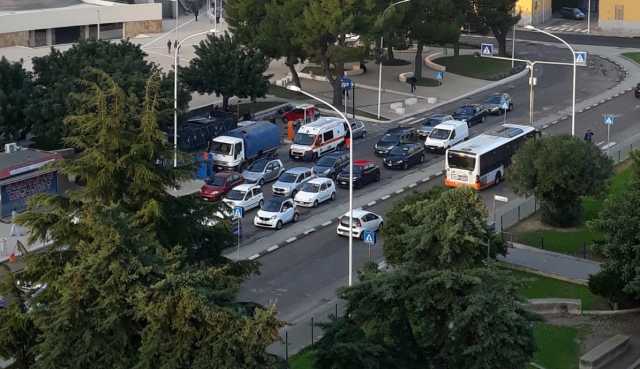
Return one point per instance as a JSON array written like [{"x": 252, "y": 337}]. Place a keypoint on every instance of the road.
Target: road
[
  {"x": 580, "y": 39},
  {"x": 553, "y": 93}
]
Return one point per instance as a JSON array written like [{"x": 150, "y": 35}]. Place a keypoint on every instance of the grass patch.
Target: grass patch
[
  {"x": 558, "y": 347},
  {"x": 302, "y": 360},
  {"x": 283, "y": 93},
  {"x": 571, "y": 241},
  {"x": 633, "y": 56},
  {"x": 538, "y": 287},
  {"x": 476, "y": 67}
]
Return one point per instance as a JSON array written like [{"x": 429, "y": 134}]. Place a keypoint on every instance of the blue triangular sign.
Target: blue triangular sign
[
  {"x": 486, "y": 50},
  {"x": 580, "y": 58},
  {"x": 608, "y": 120},
  {"x": 368, "y": 238}
]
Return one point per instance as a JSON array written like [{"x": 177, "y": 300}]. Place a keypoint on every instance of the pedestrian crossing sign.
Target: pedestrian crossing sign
[
  {"x": 609, "y": 119},
  {"x": 486, "y": 49},
  {"x": 440, "y": 76},
  {"x": 238, "y": 212},
  {"x": 581, "y": 57},
  {"x": 369, "y": 237}
]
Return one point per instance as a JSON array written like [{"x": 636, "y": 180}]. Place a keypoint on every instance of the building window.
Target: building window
[{"x": 619, "y": 16}]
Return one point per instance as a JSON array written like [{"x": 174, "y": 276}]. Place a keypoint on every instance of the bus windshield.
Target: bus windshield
[{"x": 461, "y": 161}]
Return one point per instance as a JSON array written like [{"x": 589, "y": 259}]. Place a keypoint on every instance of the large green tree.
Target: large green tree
[
  {"x": 135, "y": 276},
  {"x": 439, "y": 229},
  {"x": 499, "y": 16},
  {"x": 619, "y": 222},
  {"x": 405, "y": 319},
  {"x": 559, "y": 170},
  {"x": 227, "y": 68},
  {"x": 245, "y": 18},
  {"x": 16, "y": 87},
  {"x": 57, "y": 75}
]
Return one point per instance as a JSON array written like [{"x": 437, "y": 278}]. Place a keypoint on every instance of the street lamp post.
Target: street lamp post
[
  {"x": 175, "y": 93},
  {"x": 573, "y": 54},
  {"x": 298, "y": 89},
  {"x": 382, "y": 51}
]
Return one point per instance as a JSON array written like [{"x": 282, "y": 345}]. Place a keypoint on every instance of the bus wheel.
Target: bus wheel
[{"x": 498, "y": 178}]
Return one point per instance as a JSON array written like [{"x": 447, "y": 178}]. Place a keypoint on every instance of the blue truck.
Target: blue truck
[{"x": 241, "y": 146}]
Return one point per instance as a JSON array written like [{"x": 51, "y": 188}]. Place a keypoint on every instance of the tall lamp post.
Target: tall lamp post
[
  {"x": 573, "y": 54},
  {"x": 175, "y": 93},
  {"x": 382, "y": 50},
  {"x": 298, "y": 89}
]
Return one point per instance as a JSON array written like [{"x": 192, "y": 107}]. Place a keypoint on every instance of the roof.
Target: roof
[
  {"x": 357, "y": 213},
  {"x": 320, "y": 124},
  {"x": 319, "y": 180},
  {"x": 21, "y": 5},
  {"x": 298, "y": 170},
  {"x": 245, "y": 187},
  {"x": 304, "y": 106},
  {"x": 23, "y": 161},
  {"x": 336, "y": 154},
  {"x": 451, "y": 123},
  {"x": 492, "y": 139}
]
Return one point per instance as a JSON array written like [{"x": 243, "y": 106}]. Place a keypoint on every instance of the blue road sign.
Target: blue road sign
[
  {"x": 608, "y": 119},
  {"x": 581, "y": 57},
  {"x": 369, "y": 237},
  {"x": 439, "y": 76},
  {"x": 238, "y": 212},
  {"x": 486, "y": 49},
  {"x": 346, "y": 83}
]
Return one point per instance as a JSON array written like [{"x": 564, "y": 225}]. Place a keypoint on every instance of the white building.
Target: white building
[{"x": 35, "y": 23}]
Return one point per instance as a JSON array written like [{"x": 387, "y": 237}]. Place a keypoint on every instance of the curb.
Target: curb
[{"x": 312, "y": 229}]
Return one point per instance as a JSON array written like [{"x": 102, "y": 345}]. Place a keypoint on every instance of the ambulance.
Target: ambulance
[{"x": 317, "y": 138}]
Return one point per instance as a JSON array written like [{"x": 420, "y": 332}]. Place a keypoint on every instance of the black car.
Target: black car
[
  {"x": 426, "y": 126},
  {"x": 364, "y": 172},
  {"x": 393, "y": 137},
  {"x": 331, "y": 164},
  {"x": 572, "y": 13},
  {"x": 470, "y": 113},
  {"x": 405, "y": 155},
  {"x": 498, "y": 104}
]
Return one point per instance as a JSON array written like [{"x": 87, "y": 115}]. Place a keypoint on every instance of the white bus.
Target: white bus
[{"x": 480, "y": 162}]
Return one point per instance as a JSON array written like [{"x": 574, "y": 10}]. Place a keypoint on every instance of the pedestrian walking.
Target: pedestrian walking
[
  {"x": 169, "y": 47},
  {"x": 412, "y": 83},
  {"x": 363, "y": 66},
  {"x": 588, "y": 136},
  {"x": 196, "y": 12},
  {"x": 175, "y": 46},
  {"x": 218, "y": 9},
  {"x": 13, "y": 232}
]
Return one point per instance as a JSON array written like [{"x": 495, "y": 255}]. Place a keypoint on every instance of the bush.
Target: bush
[{"x": 610, "y": 285}]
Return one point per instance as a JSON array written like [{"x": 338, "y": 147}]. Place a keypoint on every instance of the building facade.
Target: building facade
[
  {"x": 35, "y": 23},
  {"x": 620, "y": 16}
]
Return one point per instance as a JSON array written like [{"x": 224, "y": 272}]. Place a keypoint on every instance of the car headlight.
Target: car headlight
[{"x": 274, "y": 217}]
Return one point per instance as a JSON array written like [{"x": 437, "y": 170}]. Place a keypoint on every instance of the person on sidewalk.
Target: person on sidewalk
[
  {"x": 169, "y": 47},
  {"x": 196, "y": 12},
  {"x": 14, "y": 228},
  {"x": 588, "y": 136},
  {"x": 412, "y": 81},
  {"x": 175, "y": 46},
  {"x": 363, "y": 66}
]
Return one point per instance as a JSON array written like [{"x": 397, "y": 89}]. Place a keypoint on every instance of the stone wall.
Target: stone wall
[
  {"x": 14, "y": 39},
  {"x": 132, "y": 29}
]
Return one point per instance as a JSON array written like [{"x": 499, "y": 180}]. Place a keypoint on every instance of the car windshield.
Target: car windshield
[
  {"x": 326, "y": 161},
  {"x": 356, "y": 124},
  {"x": 440, "y": 134},
  {"x": 389, "y": 138},
  {"x": 304, "y": 139},
  {"x": 272, "y": 205},
  {"x": 467, "y": 110},
  {"x": 236, "y": 195},
  {"x": 496, "y": 99},
  {"x": 221, "y": 148},
  {"x": 461, "y": 161},
  {"x": 287, "y": 178},
  {"x": 258, "y": 166},
  {"x": 215, "y": 181},
  {"x": 399, "y": 150},
  {"x": 311, "y": 187}
]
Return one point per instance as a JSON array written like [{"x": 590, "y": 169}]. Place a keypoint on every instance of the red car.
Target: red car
[
  {"x": 300, "y": 112},
  {"x": 219, "y": 184}
]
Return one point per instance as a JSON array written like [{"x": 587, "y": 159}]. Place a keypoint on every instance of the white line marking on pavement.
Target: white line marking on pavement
[
  {"x": 405, "y": 120},
  {"x": 600, "y": 143},
  {"x": 292, "y": 239},
  {"x": 385, "y": 197},
  {"x": 254, "y": 256},
  {"x": 371, "y": 203},
  {"x": 400, "y": 191},
  {"x": 273, "y": 248},
  {"x": 327, "y": 223},
  {"x": 413, "y": 185},
  {"x": 309, "y": 231}
]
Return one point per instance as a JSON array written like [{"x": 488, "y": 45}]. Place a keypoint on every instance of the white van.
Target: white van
[
  {"x": 447, "y": 134},
  {"x": 317, "y": 138}
]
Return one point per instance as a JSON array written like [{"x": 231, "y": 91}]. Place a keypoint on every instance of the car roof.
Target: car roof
[
  {"x": 336, "y": 154},
  {"x": 298, "y": 170},
  {"x": 358, "y": 213},
  {"x": 469, "y": 106},
  {"x": 451, "y": 124},
  {"x": 408, "y": 144},
  {"x": 245, "y": 187},
  {"x": 319, "y": 180}
]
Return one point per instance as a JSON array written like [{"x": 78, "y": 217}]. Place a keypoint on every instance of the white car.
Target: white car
[
  {"x": 245, "y": 196},
  {"x": 362, "y": 221},
  {"x": 316, "y": 191},
  {"x": 276, "y": 212}
]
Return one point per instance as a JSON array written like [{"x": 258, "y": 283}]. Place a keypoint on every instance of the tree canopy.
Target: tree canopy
[
  {"x": 135, "y": 276},
  {"x": 619, "y": 222},
  {"x": 57, "y": 75},
  {"x": 226, "y": 67},
  {"x": 431, "y": 319},
  {"x": 439, "y": 229},
  {"x": 16, "y": 87},
  {"x": 499, "y": 16},
  {"x": 559, "y": 170}
]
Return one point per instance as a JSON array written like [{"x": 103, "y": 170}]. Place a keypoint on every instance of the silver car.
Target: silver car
[
  {"x": 358, "y": 128},
  {"x": 291, "y": 181},
  {"x": 426, "y": 126},
  {"x": 262, "y": 171}
]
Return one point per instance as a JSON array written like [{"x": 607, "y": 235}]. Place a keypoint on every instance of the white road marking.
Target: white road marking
[
  {"x": 273, "y": 248},
  {"x": 292, "y": 239},
  {"x": 254, "y": 256}
]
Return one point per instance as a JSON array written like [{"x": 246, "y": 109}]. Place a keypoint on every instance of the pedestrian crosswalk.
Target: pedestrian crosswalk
[
  {"x": 579, "y": 28},
  {"x": 410, "y": 121}
]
